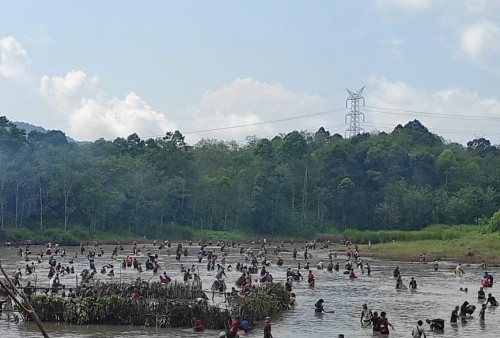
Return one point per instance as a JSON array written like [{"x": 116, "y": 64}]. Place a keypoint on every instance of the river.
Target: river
[{"x": 437, "y": 294}]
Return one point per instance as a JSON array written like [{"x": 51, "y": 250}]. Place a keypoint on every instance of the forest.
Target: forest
[{"x": 290, "y": 185}]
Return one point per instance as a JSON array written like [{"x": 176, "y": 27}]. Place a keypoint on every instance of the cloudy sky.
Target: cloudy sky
[{"x": 231, "y": 69}]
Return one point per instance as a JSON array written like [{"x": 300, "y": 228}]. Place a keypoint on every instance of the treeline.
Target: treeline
[{"x": 289, "y": 185}]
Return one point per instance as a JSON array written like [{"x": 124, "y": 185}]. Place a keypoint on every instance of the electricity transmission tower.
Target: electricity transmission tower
[{"x": 355, "y": 116}]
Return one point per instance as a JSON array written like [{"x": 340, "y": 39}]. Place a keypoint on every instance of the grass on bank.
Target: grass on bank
[
  {"x": 441, "y": 243},
  {"x": 78, "y": 234},
  {"x": 436, "y": 242}
]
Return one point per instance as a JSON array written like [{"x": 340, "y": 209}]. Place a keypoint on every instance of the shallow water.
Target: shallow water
[{"x": 437, "y": 294}]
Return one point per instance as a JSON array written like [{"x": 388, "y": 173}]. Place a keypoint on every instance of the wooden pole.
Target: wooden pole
[{"x": 27, "y": 307}]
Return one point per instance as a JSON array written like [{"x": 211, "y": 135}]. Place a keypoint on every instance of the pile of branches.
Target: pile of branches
[
  {"x": 117, "y": 310},
  {"x": 155, "y": 290},
  {"x": 268, "y": 300},
  {"x": 156, "y": 304}
]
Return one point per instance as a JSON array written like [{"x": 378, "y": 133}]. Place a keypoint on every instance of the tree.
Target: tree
[
  {"x": 55, "y": 138},
  {"x": 447, "y": 163},
  {"x": 345, "y": 190},
  {"x": 479, "y": 145},
  {"x": 292, "y": 150},
  {"x": 404, "y": 180},
  {"x": 494, "y": 223},
  {"x": 12, "y": 138},
  {"x": 387, "y": 215},
  {"x": 70, "y": 170}
]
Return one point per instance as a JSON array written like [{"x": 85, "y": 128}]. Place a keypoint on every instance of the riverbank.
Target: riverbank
[
  {"x": 484, "y": 248},
  {"x": 440, "y": 242},
  {"x": 76, "y": 235}
]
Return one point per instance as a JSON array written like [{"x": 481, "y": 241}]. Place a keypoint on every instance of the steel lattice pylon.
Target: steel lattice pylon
[{"x": 355, "y": 115}]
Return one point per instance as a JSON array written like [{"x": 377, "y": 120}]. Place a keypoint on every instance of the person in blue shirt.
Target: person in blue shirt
[
  {"x": 245, "y": 324},
  {"x": 220, "y": 273},
  {"x": 318, "y": 307},
  {"x": 489, "y": 277}
]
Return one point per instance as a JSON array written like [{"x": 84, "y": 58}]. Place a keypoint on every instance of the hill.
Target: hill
[{"x": 30, "y": 127}]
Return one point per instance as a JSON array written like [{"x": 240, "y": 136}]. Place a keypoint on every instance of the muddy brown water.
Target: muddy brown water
[{"x": 437, "y": 294}]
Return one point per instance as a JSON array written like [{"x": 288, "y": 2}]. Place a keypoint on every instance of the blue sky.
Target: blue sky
[{"x": 231, "y": 69}]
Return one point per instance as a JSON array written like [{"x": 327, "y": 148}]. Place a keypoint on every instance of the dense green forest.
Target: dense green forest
[{"x": 289, "y": 185}]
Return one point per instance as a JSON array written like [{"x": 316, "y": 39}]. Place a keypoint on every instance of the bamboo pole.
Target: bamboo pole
[{"x": 27, "y": 307}]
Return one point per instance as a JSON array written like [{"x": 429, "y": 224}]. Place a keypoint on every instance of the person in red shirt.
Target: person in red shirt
[
  {"x": 235, "y": 325},
  {"x": 310, "y": 278},
  {"x": 198, "y": 325}
]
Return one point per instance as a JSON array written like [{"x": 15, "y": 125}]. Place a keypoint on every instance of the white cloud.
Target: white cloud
[
  {"x": 407, "y": 5},
  {"x": 65, "y": 94},
  {"x": 452, "y": 112},
  {"x": 248, "y": 102},
  {"x": 14, "y": 59},
  {"x": 89, "y": 117},
  {"x": 472, "y": 30},
  {"x": 392, "y": 94},
  {"x": 469, "y": 28},
  {"x": 479, "y": 39}
]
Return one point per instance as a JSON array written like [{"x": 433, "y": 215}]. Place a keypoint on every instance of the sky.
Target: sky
[{"x": 229, "y": 70}]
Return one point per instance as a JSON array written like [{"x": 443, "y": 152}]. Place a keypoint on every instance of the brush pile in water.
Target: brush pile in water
[
  {"x": 140, "y": 303},
  {"x": 268, "y": 300},
  {"x": 155, "y": 304}
]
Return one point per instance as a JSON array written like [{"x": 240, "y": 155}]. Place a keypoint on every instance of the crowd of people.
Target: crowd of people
[{"x": 254, "y": 268}]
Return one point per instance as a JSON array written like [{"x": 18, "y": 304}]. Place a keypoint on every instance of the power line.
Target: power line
[
  {"x": 375, "y": 109},
  {"x": 444, "y": 131},
  {"x": 264, "y": 122},
  {"x": 429, "y": 114},
  {"x": 255, "y": 123}
]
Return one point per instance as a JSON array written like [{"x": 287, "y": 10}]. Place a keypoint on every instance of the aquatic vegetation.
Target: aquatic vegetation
[
  {"x": 267, "y": 301},
  {"x": 117, "y": 310},
  {"x": 155, "y": 304}
]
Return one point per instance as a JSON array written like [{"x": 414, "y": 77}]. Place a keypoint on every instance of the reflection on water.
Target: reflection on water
[{"x": 437, "y": 294}]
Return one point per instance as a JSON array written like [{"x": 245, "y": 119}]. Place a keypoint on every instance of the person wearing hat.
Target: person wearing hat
[{"x": 267, "y": 328}]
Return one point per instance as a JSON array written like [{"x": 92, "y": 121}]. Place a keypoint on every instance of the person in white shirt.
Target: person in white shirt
[{"x": 419, "y": 330}]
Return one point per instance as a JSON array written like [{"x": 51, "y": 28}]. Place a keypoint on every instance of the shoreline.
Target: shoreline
[
  {"x": 411, "y": 258},
  {"x": 435, "y": 254},
  {"x": 410, "y": 251}
]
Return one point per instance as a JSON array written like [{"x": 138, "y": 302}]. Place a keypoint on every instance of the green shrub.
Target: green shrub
[
  {"x": 232, "y": 235},
  {"x": 494, "y": 223}
]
